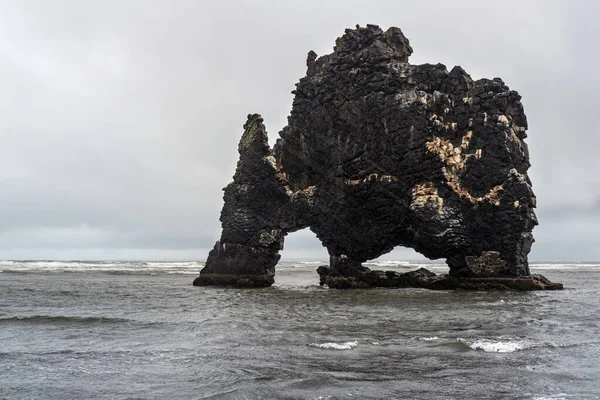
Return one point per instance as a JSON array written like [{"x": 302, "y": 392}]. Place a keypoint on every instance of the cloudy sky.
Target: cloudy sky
[{"x": 119, "y": 119}]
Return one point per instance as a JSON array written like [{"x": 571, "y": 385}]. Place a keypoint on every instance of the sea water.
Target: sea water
[{"x": 140, "y": 330}]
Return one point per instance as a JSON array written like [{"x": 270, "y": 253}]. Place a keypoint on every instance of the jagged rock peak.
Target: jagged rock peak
[
  {"x": 393, "y": 42},
  {"x": 363, "y": 46},
  {"x": 254, "y": 133}
]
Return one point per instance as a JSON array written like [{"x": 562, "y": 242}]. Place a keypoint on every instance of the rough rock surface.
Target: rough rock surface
[{"x": 380, "y": 153}]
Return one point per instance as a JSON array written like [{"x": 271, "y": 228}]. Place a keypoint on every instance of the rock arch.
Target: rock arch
[{"x": 380, "y": 153}]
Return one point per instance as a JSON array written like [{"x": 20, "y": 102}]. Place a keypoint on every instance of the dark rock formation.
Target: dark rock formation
[
  {"x": 423, "y": 278},
  {"x": 380, "y": 153}
]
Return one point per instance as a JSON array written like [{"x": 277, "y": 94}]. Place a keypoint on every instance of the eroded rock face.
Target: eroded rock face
[{"x": 380, "y": 153}]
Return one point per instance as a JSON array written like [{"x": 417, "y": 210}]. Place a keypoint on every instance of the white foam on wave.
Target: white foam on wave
[
  {"x": 492, "y": 346},
  {"x": 311, "y": 262},
  {"x": 429, "y": 339},
  {"x": 335, "y": 346},
  {"x": 564, "y": 265},
  {"x": 195, "y": 272},
  {"x": 172, "y": 264},
  {"x": 388, "y": 263}
]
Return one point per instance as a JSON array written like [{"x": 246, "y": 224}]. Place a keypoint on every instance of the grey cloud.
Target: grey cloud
[{"x": 122, "y": 118}]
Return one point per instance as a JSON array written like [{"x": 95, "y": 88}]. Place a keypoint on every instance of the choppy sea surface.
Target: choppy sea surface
[{"x": 140, "y": 330}]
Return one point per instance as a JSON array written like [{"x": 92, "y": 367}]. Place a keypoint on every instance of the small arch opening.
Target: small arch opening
[{"x": 301, "y": 255}]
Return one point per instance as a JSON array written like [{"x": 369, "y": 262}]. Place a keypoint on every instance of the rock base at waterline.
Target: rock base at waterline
[
  {"x": 425, "y": 279},
  {"x": 248, "y": 281},
  {"x": 421, "y": 278}
]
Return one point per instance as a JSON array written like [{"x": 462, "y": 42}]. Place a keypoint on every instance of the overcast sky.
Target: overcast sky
[{"x": 119, "y": 120}]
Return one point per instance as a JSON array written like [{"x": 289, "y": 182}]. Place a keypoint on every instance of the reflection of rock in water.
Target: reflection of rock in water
[{"x": 379, "y": 153}]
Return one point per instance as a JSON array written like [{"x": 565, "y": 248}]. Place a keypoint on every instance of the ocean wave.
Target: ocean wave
[
  {"x": 429, "y": 339},
  {"x": 195, "y": 272},
  {"x": 15, "y": 271},
  {"x": 171, "y": 264},
  {"x": 335, "y": 346},
  {"x": 493, "y": 346},
  {"x": 565, "y": 265},
  {"x": 392, "y": 264},
  {"x": 389, "y": 262},
  {"x": 57, "y": 319},
  {"x": 498, "y": 345},
  {"x": 104, "y": 267},
  {"x": 310, "y": 262}
]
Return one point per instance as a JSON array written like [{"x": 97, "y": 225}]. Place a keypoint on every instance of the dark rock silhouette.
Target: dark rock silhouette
[{"x": 380, "y": 153}]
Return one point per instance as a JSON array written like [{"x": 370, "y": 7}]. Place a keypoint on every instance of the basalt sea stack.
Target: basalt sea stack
[{"x": 380, "y": 153}]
